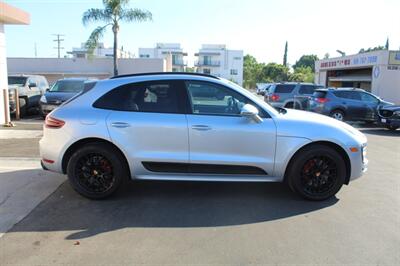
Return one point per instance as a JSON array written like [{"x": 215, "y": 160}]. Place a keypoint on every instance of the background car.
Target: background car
[
  {"x": 116, "y": 131},
  {"x": 61, "y": 91},
  {"x": 349, "y": 104},
  {"x": 290, "y": 94},
  {"x": 389, "y": 116},
  {"x": 262, "y": 88},
  {"x": 30, "y": 89}
]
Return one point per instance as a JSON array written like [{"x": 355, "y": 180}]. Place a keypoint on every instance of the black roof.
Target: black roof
[{"x": 164, "y": 73}]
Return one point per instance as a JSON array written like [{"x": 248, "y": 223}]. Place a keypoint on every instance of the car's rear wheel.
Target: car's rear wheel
[
  {"x": 338, "y": 115},
  {"x": 317, "y": 172},
  {"x": 97, "y": 170}
]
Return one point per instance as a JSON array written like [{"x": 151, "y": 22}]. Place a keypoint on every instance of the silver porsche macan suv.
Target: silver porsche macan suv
[{"x": 176, "y": 126}]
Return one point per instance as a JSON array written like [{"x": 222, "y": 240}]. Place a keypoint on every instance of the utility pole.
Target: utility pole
[
  {"x": 35, "y": 50},
  {"x": 58, "y": 41}
]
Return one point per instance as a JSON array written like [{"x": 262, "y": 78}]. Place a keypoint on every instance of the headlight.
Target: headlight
[
  {"x": 43, "y": 99},
  {"x": 397, "y": 113}
]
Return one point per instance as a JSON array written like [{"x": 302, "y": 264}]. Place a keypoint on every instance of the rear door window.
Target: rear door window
[
  {"x": 284, "y": 88},
  {"x": 153, "y": 97}
]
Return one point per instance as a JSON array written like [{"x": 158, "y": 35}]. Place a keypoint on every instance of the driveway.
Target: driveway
[{"x": 220, "y": 223}]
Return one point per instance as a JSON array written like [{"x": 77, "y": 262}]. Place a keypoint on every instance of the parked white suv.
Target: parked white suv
[{"x": 163, "y": 126}]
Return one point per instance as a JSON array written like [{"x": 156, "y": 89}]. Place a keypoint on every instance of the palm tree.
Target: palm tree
[{"x": 114, "y": 12}]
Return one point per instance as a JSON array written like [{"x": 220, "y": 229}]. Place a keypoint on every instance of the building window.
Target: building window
[
  {"x": 144, "y": 56},
  {"x": 206, "y": 71},
  {"x": 237, "y": 58},
  {"x": 234, "y": 71}
]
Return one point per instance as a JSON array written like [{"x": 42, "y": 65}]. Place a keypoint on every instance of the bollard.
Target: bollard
[{"x": 17, "y": 110}]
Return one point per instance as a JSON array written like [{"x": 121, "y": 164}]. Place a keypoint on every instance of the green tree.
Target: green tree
[
  {"x": 114, "y": 12},
  {"x": 377, "y": 48},
  {"x": 306, "y": 61},
  {"x": 251, "y": 72},
  {"x": 285, "y": 54},
  {"x": 302, "y": 74},
  {"x": 275, "y": 72}
]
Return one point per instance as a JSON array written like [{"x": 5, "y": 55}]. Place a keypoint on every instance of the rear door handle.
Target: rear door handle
[
  {"x": 120, "y": 124},
  {"x": 201, "y": 127}
]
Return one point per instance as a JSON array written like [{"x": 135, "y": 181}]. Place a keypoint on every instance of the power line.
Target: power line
[{"x": 58, "y": 41}]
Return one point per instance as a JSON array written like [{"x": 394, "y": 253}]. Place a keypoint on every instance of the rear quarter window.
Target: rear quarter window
[
  {"x": 319, "y": 94},
  {"x": 284, "y": 88}
]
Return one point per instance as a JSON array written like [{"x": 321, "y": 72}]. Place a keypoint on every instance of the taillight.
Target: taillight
[
  {"x": 321, "y": 100},
  {"x": 52, "y": 122},
  {"x": 274, "y": 97}
]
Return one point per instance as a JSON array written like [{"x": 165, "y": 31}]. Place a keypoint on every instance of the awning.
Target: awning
[
  {"x": 363, "y": 78},
  {"x": 13, "y": 15}
]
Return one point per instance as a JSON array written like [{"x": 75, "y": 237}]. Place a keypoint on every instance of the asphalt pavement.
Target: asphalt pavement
[{"x": 191, "y": 223}]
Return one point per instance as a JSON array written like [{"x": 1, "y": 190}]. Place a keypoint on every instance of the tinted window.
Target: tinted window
[
  {"x": 354, "y": 95},
  {"x": 67, "y": 86},
  {"x": 319, "y": 94},
  {"x": 306, "y": 89},
  {"x": 282, "y": 88},
  {"x": 158, "y": 97},
  {"x": 368, "y": 98},
  {"x": 341, "y": 94},
  {"x": 18, "y": 81},
  {"x": 211, "y": 99}
]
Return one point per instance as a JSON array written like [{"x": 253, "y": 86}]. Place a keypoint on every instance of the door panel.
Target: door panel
[
  {"x": 150, "y": 137},
  {"x": 232, "y": 141}
]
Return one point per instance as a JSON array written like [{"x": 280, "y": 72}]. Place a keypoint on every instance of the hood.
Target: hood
[
  {"x": 391, "y": 108},
  {"x": 317, "y": 127},
  {"x": 59, "y": 96}
]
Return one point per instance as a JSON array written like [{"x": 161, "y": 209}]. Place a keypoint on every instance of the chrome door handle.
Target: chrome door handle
[
  {"x": 120, "y": 124},
  {"x": 201, "y": 127}
]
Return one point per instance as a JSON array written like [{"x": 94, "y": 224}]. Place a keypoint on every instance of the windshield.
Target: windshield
[
  {"x": 67, "y": 86},
  {"x": 17, "y": 81}
]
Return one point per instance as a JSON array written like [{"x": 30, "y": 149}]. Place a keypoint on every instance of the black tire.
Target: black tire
[
  {"x": 308, "y": 182},
  {"x": 392, "y": 128},
  {"x": 23, "y": 107},
  {"x": 338, "y": 115},
  {"x": 289, "y": 105},
  {"x": 97, "y": 170}
]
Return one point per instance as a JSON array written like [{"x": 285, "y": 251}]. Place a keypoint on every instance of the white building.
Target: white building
[
  {"x": 8, "y": 15},
  {"x": 377, "y": 72},
  {"x": 168, "y": 51},
  {"x": 101, "y": 68},
  {"x": 99, "y": 52},
  {"x": 216, "y": 60}
]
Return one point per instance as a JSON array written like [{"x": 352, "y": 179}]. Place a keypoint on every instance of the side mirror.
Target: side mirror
[
  {"x": 32, "y": 84},
  {"x": 249, "y": 111}
]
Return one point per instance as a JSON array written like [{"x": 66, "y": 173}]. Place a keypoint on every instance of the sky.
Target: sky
[{"x": 259, "y": 27}]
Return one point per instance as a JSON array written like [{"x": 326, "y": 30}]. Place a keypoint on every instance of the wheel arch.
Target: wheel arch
[
  {"x": 76, "y": 145},
  {"x": 330, "y": 144}
]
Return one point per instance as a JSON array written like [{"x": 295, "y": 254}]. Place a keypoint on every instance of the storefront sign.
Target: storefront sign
[
  {"x": 358, "y": 60},
  {"x": 394, "y": 58}
]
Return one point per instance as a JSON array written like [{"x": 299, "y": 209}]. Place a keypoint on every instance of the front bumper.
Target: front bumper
[
  {"x": 46, "y": 108},
  {"x": 359, "y": 162},
  {"x": 389, "y": 122}
]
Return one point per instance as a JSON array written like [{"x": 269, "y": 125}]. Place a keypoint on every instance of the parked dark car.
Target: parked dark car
[
  {"x": 349, "y": 104},
  {"x": 290, "y": 94},
  {"x": 389, "y": 116},
  {"x": 30, "y": 88},
  {"x": 61, "y": 91}
]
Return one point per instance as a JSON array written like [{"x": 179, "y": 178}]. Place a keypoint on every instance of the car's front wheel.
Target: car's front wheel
[
  {"x": 97, "y": 170},
  {"x": 392, "y": 128},
  {"x": 317, "y": 172}
]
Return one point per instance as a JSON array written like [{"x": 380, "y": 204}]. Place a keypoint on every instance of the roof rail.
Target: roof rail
[{"x": 164, "y": 73}]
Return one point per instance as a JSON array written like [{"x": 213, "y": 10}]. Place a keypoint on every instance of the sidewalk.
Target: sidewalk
[{"x": 23, "y": 184}]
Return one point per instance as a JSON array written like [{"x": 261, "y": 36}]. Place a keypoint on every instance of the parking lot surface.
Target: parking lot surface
[{"x": 220, "y": 223}]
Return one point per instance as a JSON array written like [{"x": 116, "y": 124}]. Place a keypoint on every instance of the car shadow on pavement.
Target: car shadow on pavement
[
  {"x": 380, "y": 132},
  {"x": 166, "y": 205}
]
